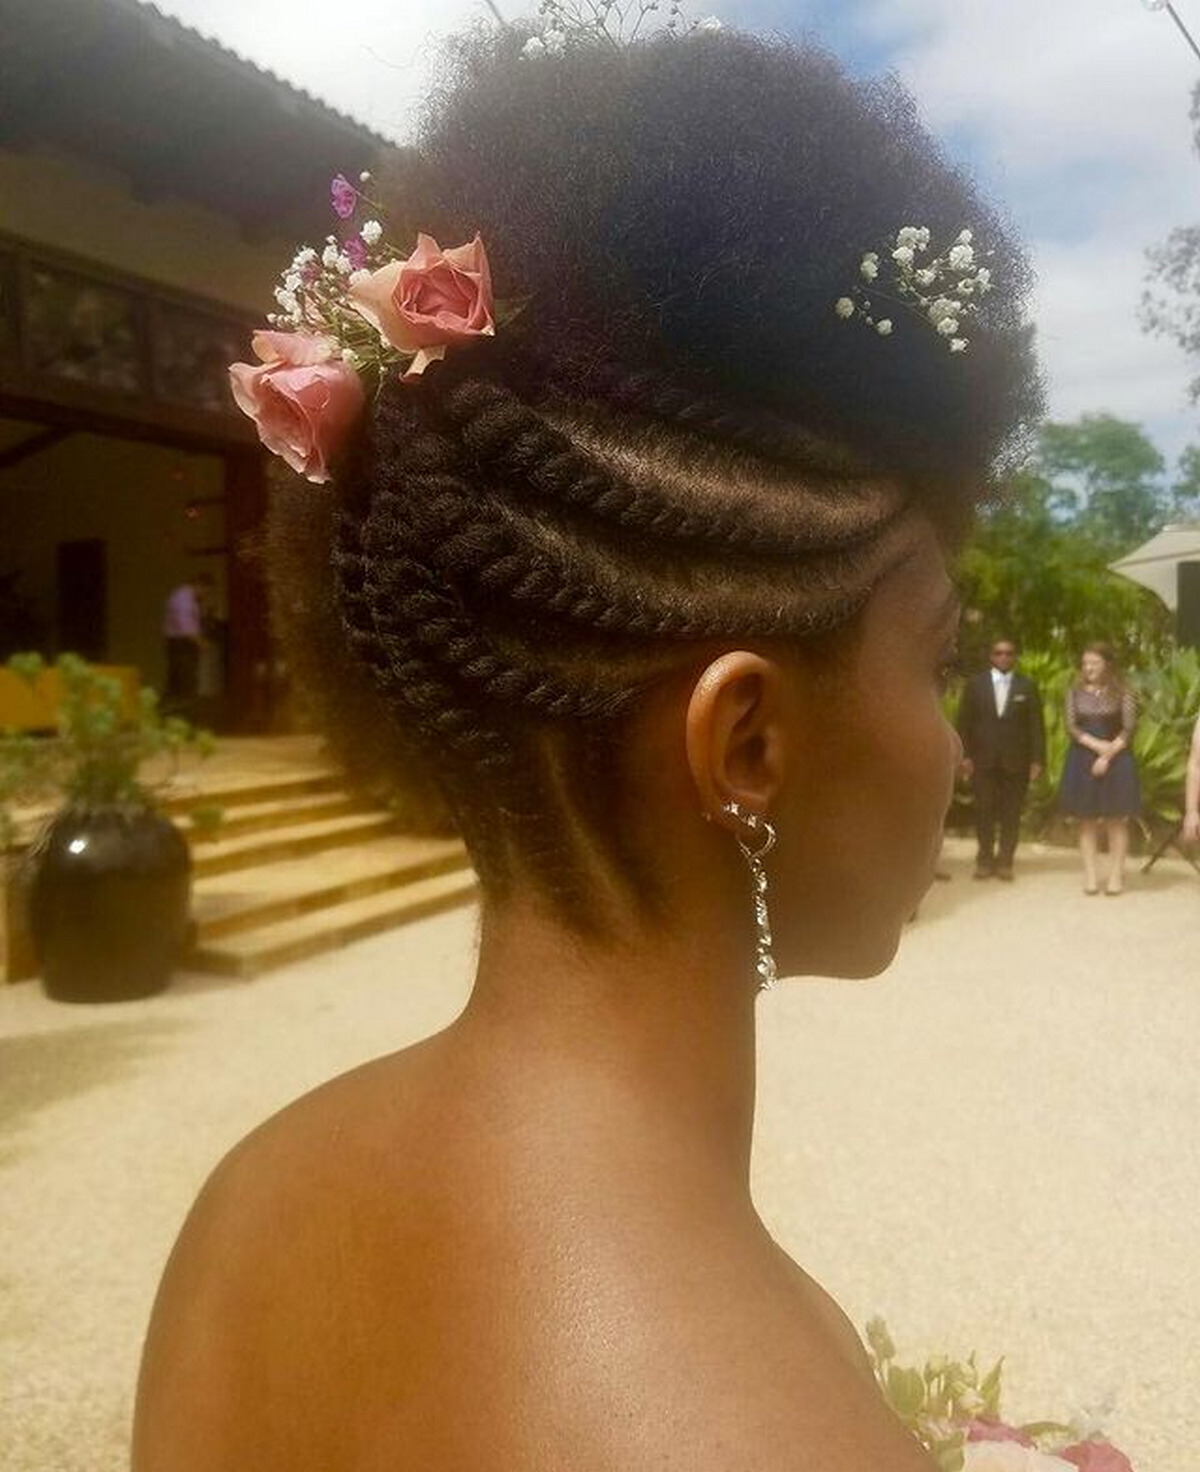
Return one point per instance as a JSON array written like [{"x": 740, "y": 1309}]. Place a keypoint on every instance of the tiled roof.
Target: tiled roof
[{"x": 122, "y": 84}]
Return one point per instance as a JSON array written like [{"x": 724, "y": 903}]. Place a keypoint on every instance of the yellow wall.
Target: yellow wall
[
  {"x": 133, "y": 496},
  {"x": 79, "y": 207}
]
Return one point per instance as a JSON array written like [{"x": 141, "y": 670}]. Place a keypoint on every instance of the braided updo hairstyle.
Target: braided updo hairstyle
[{"x": 675, "y": 443}]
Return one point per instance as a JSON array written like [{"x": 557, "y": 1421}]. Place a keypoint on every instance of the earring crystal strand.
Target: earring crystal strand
[{"x": 762, "y": 834}]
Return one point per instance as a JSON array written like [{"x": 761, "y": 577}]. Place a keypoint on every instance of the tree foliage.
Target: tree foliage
[
  {"x": 1171, "y": 297},
  {"x": 1037, "y": 567}
]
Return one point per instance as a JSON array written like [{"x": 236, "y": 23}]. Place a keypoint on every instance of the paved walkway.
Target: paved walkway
[{"x": 995, "y": 1146}]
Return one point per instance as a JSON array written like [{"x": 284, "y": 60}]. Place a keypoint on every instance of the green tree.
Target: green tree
[
  {"x": 1107, "y": 478},
  {"x": 1185, "y": 490},
  {"x": 1037, "y": 566}
]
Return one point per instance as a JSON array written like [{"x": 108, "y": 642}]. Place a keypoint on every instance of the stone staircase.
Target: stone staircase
[{"x": 298, "y": 866}]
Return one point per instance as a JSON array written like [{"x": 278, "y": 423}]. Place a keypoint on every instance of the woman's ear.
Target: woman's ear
[{"x": 737, "y": 733}]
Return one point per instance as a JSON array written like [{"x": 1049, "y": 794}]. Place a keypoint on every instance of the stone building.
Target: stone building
[{"x": 152, "y": 184}]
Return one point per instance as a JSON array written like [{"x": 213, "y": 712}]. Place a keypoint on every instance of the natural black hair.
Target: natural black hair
[{"x": 676, "y": 442}]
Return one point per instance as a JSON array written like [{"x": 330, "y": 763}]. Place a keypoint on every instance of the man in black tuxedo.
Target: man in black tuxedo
[{"x": 1004, "y": 748}]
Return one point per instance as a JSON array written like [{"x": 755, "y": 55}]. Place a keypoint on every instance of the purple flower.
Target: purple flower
[
  {"x": 344, "y": 196},
  {"x": 355, "y": 250}
]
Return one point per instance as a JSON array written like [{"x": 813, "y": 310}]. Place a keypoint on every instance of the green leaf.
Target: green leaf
[
  {"x": 1037, "y": 1429},
  {"x": 989, "y": 1388},
  {"x": 905, "y": 1392},
  {"x": 950, "y": 1458}
]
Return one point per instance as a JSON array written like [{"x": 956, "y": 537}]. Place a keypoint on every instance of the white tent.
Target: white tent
[{"x": 1153, "y": 564}]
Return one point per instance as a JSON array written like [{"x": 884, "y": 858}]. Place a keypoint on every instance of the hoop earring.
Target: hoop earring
[{"x": 763, "y": 838}]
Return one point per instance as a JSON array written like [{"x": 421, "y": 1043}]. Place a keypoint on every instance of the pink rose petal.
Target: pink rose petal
[
  {"x": 1097, "y": 1456},
  {"x": 303, "y": 411}
]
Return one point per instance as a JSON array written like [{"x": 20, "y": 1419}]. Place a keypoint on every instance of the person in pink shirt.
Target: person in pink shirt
[{"x": 183, "y": 630}]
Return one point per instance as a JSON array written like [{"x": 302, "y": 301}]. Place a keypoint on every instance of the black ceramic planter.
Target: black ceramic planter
[{"x": 109, "y": 904}]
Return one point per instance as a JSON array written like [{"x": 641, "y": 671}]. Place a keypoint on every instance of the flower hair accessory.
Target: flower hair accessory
[
  {"x": 953, "y": 1409},
  {"x": 944, "y": 290},
  {"x": 350, "y": 317}
]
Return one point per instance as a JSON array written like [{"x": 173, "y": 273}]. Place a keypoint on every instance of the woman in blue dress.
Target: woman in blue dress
[{"x": 1100, "y": 778}]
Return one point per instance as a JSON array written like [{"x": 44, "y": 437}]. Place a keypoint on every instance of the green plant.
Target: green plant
[
  {"x": 1168, "y": 697},
  {"x": 96, "y": 760}
]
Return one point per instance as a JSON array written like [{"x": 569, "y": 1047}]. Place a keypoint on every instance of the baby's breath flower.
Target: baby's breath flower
[
  {"x": 915, "y": 237},
  {"x": 535, "y": 46},
  {"x": 286, "y": 299},
  {"x": 709, "y": 23},
  {"x": 965, "y": 237},
  {"x": 365, "y": 177},
  {"x": 844, "y": 307},
  {"x": 350, "y": 356},
  {"x": 965, "y": 287},
  {"x": 344, "y": 264},
  {"x": 304, "y": 256},
  {"x": 948, "y": 326},
  {"x": 371, "y": 231},
  {"x": 983, "y": 279},
  {"x": 903, "y": 254},
  {"x": 926, "y": 277},
  {"x": 958, "y": 344},
  {"x": 293, "y": 281},
  {"x": 870, "y": 265},
  {"x": 329, "y": 255},
  {"x": 960, "y": 257},
  {"x": 884, "y": 327}
]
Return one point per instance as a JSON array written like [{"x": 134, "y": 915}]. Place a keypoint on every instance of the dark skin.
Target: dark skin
[{"x": 529, "y": 1243}]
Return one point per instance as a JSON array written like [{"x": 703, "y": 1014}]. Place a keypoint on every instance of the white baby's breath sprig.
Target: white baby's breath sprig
[
  {"x": 569, "y": 23},
  {"x": 944, "y": 289}
]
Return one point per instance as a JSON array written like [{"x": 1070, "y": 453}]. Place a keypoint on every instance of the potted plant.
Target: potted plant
[{"x": 111, "y": 876}]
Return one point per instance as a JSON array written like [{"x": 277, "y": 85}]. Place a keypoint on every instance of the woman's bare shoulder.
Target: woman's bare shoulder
[
  {"x": 360, "y": 1271},
  {"x": 252, "y": 1258}
]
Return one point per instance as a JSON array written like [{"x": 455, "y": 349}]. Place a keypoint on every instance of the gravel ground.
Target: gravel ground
[{"x": 994, "y": 1146}]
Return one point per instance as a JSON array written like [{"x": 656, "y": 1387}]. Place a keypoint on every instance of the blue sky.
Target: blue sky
[{"x": 1072, "y": 112}]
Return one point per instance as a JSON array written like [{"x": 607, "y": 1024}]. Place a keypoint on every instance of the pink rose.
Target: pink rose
[
  {"x": 434, "y": 298},
  {"x": 1097, "y": 1456},
  {"x": 303, "y": 399},
  {"x": 985, "y": 1430}
]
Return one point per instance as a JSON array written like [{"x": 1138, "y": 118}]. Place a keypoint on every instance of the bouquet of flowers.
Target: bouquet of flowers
[{"x": 954, "y": 1412}]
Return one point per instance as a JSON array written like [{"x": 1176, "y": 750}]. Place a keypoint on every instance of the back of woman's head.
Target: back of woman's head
[{"x": 677, "y": 442}]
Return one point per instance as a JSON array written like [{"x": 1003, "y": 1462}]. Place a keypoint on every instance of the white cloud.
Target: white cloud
[
  {"x": 1078, "y": 111},
  {"x": 370, "y": 58},
  {"x": 1081, "y": 115}
]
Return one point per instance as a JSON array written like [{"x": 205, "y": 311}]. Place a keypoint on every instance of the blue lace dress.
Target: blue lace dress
[{"x": 1117, "y": 794}]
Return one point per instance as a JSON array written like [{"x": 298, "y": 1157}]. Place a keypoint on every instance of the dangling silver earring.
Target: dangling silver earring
[{"x": 762, "y": 836}]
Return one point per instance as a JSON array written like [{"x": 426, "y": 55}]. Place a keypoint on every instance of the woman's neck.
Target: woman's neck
[{"x": 657, "y": 1028}]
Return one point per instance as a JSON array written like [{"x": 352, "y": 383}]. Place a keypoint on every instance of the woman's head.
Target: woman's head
[
  {"x": 1098, "y": 664},
  {"x": 677, "y": 449}
]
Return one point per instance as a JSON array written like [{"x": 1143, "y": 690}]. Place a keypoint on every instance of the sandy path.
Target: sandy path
[{"x": 995, "y": 1146}]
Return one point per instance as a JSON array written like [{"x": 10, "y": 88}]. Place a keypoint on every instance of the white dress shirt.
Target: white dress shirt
[{"x": 1001, "y": 688}]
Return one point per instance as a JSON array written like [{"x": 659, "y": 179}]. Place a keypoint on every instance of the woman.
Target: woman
[
  {"x": 653, "y": 561},
  {"x": 1100, "y": 779}
]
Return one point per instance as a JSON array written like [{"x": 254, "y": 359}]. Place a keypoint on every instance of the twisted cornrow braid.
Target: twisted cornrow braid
[
  {"x": 517, "y": 442},
  {"x": 489, "y": 615}
]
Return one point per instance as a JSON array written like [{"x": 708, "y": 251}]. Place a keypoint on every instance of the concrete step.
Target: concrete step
[
  {"x": 252, "y": 849},
  {"x": 249, "y": 953},
  {"x": 245, "y": 899},
  {"x": 236, "y": 793},
  {"x": 289, "y": 812}
]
